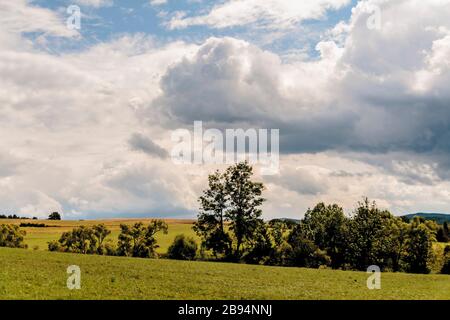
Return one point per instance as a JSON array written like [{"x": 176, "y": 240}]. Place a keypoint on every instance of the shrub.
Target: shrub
[
  {"x": 139, "y": 240},
  {"x": 33, "y": 225},
  {"x": 11, "y": 236},
  {"x": 182, "y": 248},
  {"x": 85, "y": 240},
  {"x": 54, "y": 245},
  {"x": 109, "y": 248}
]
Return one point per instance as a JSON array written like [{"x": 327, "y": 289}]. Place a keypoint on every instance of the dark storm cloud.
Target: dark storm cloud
[{"x": 141, "y": 143}]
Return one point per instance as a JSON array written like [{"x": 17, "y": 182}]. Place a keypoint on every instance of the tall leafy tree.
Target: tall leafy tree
[
  {"x": 419, "y": 251},
  {"x": 366, "y": 235},
  {"x": 245, "y": 198},
  {"x": 229, "y": 211},
  {"x": 327, "y": 226},
  {"x": 210, "y": 225}
]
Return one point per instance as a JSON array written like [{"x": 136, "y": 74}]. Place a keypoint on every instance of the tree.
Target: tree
[
  {"x": 419, "y": 251},
  {"x": 84, "y": 240},
  {"x": 261, "y": 249},
  {"x": 229, "y": 211},
  {"x": 182, "y": 248},
  {"x": 443, "y": 233},
  {"x": 326, "y": 226},
  {"x": 54, "y": 216},
  {"x": 395, "y": 233},
  {"x": 367, "y": 239},
  {"x": 79, "y": 240},
  {"x": 446, "y": 266},
  {"x": 210, "y": 225},
  {"x": 244, "y": 198},
  {"x": 139, "y": 240},
  {"x": 100, "y": 232},
  {"x": 303, "y": 252}
]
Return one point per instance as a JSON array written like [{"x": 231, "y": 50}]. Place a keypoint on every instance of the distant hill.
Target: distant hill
[{"x": 437, "y": 217}]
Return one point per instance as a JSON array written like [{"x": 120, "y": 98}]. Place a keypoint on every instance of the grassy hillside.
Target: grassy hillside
[
  {"x": 28, "y": 274},
  {"x": 39, "y": 237}
]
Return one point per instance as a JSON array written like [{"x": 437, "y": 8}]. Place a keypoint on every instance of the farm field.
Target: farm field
[
  {"x": 38, "y": 238},
  {"x": 28, "y": 274}
]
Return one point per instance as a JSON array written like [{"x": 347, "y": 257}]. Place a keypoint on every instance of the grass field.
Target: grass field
[
  {"x": 39, "y": 274},
  {"x": 28, "y": 274},
  {"x": 38, "y": 238}
]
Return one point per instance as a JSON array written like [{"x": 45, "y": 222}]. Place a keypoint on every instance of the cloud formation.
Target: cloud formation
[
  {"x": 87, "y": 132},
  {"x": 273, "y": 14}
]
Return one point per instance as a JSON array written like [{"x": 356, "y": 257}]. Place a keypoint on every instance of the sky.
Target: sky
[{"x": 359, "y": 91}]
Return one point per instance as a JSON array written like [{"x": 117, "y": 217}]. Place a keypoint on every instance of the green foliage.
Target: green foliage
[
  {"x": 327, "y": 227},
  {"x": 54, "y": 216},
  {"x": 244, "y": 198},
  {"x": 443, "y": 233},
  {"x": 210, "y": 225},
  {"x": 367, "y": 236},
  {"x": 303, "y": 252},
  {"x": 326, "y": 237},
  {"x": 139, "y": 240},
  {"x": 229, "y": 213},
  {"x": 182, "y": 248},
  {"x": 84, "y": 240},
  {"x": 446, "y": 266},
  {"x": 421, "y": 235},
  {"x": 261, "y": 249},
  {"x": 229, "y": 223},
  {"x": 11, "y": 236}
]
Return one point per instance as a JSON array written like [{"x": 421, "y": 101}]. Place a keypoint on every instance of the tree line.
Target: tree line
[{"x": 231, "y": 229}]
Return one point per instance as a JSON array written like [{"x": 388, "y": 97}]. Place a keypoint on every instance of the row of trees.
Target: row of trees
[
  {"x": 133, "y": 241},
  {"x": 137, "y": 240},
  {"x": 231, "y": 229},
  {"x": 230, "y": 226},
  {"x": 52, "y": 216}
]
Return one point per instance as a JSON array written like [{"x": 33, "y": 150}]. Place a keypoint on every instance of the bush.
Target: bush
[
  {"x": 54, "y": 246},
  {"x": 182, "y": 248},
  {"x": 85, "y": 240},
  {"x": 11, "y": 236},
  {"x": 139, "y": 240},
  {"x": 33, "y": 225}
]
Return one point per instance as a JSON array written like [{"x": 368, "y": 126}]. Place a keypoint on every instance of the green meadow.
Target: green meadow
[
  {"x": 28, "y": 274},
  {"x": 38, "y": 274}
]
